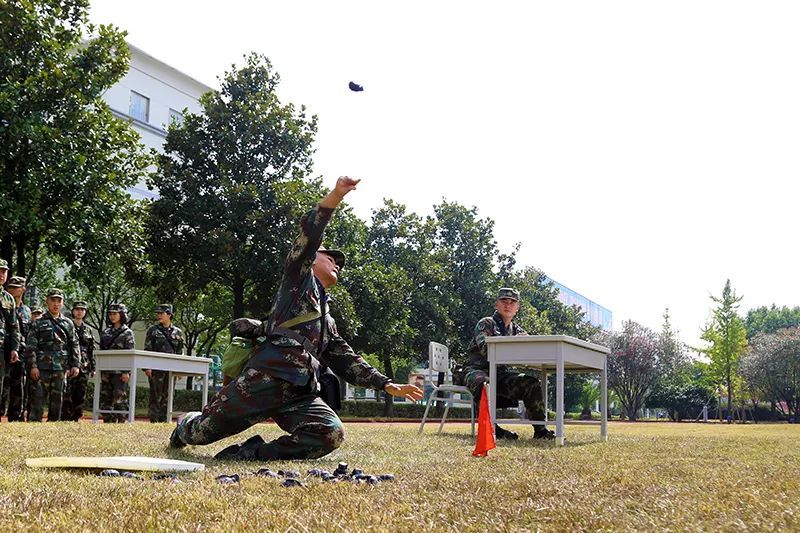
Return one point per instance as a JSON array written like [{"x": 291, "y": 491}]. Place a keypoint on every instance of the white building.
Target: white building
[{"x": 151, "y": 95}]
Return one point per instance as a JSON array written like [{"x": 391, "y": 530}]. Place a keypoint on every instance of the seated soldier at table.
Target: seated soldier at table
[{"x": 510, "y": 385}]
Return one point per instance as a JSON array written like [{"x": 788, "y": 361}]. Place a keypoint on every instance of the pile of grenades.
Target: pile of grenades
[
  {"x": 169, "y": 476},
  {"x": 292, "y": 477}
]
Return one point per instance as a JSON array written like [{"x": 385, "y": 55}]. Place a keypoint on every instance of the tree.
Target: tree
[
  {"x": 219, "y": 217},
  {"x": 771, "y": 366},
  {"x": 65, "y": 160},
  {"x": 633, "y": 365},
  {"x": 727, "y": 336},
  {"x": 770, "y": 319},
  {"x": 673, "y": 383}
]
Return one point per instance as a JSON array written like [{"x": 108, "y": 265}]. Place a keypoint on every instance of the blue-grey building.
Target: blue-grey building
[{"x": 596, "y": 314}]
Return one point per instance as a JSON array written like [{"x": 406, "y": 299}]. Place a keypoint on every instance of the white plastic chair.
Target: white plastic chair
[{"x": 439, "y": 361}]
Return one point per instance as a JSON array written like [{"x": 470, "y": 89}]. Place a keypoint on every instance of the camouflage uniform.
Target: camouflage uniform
[
  {"x": 75, "y": 392},
  {"x": 14, "y": 383},
  {"x": 9, "y": 328},
  {"x": 279, "y": 380},
  {"x": 113, "y": 392},
  {"x": 164, "y": 340},
  {"x": 511, "y": 386},
  {"x": 52, "y": 347}
]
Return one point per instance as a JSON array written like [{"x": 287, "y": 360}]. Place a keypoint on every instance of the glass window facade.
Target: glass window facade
[{"x": 596, "y": 314}]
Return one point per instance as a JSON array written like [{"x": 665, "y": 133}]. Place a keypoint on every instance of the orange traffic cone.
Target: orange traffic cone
[{"x": 485, "y": 441}]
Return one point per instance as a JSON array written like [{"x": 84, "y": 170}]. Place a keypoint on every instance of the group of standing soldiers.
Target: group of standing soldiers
[{"x": 49, "y": 358}]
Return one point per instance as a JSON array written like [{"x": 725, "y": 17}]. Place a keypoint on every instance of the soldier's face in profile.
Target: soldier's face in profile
[
  {"x": 54, "y": 305},
  {"x": 326, "y": 270},
  {"x": 3, "y": 276},
  {"x": 507, "y": 307}
]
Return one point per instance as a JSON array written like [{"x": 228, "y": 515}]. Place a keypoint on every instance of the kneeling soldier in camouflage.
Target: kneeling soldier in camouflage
[
  {"x": 51, "y": 347},
  {"x": 281, "y": 378}
]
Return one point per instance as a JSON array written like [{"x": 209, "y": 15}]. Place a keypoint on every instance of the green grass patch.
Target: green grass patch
[{"x": 646, "y": 477}]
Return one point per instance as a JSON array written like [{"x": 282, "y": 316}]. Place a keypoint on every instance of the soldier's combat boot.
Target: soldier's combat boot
[
  {"x": 175, "y": 440},
  {"x": 246, "y": 451},
  {"x": 500, "y": 433},
  {"x": 541, "y": 432}
]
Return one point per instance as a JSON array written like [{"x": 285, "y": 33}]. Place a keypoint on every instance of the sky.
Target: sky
[{"x": 641, "y": 152}]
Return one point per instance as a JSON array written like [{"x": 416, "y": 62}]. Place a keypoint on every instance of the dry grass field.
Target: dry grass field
[{"x": 646, "y": 477}]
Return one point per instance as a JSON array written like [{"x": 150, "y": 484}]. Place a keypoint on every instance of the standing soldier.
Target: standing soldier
[
  {"x": 51, "y": 348},
  {"x": 9, "y": 325},
  {"x": 282, "y": 379},
  {"x": 16, "y": 377},
  {"x": 510, "y": 385},
  {"x": 114, "y": 385},
  {"x": 75, "y": 394},
  {"x": 166, "y": 338}
]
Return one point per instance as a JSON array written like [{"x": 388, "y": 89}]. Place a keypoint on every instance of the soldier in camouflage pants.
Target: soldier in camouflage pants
[
  {"x": 166, "y": 338},
  {"x": 114, "y": 384},
  {"x": 14, "y": 388},
  {"x": 281, "y": 378},
  {"x": 9, "y": 326},
  {"x": 510, "y": 385},
  {"x": 51, "y": 348},
  {"x": 75, "y": 392}
]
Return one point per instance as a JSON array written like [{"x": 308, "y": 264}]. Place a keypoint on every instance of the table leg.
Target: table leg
[
  {"x": 604, "y": 402},
  {"x": 205, "y": 391},
  {"x": 544, "y": 394},
  {"x": 96, "y": 399},
  {"x": 170, "y": 395},
  {"x": 559, "y": 397},
  {"x": 132, "y": 395},
  {"x": 491, "y": 353}
]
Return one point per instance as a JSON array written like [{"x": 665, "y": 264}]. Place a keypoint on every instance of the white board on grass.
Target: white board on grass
[{"x": 147, "y": 464}]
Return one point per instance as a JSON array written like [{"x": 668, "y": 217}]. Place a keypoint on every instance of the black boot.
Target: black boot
[
  {"x": 541, "y": 432},
  {"x": 500, "y": 433},
  {"x": 246, "y": 451}
]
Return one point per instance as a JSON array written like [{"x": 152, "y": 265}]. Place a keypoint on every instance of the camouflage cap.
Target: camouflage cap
[
  {"x": 163, "y": 308},
  {"x": 37, "y": 310},
  {"x": 507, "y": 292},
  {"x": 17, "y": 281},
  {"x": 117, "y": 308},
  {"x": 52, "y": 292},
  {"x": 337, "y": 255},
  {"x": 79, "y": 304},
  {"x": 3, "y": 264}
]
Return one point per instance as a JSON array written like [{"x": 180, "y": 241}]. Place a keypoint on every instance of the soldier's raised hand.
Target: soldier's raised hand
[{"x": 345, "y": 184}]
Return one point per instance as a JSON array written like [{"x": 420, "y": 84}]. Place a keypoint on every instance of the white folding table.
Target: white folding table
[
  {"x": 132, "y": 360},
  {"x": 549, "y": 353}
]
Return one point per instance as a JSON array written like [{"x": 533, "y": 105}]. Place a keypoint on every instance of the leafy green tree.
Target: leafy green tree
[
  {"x": 65, "y": 160},
  {"x": 771, "y": 319},
  {"x": 727, "y": 337},
  {"x": 219, "y": 217}
]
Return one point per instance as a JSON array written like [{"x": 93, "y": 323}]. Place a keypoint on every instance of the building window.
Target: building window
[
  {"x": 175, "y": 117},
  {"x": 140, "y": 107}
]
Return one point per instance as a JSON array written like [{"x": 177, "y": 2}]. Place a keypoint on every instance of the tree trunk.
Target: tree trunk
[
  {"x": 238, "y": 297},
  {"x": 20, "y": 268},
  {"x": 730, "y": 396},
  {"x": 7, "y": 249},
  {"x": 188, "y": 382}
]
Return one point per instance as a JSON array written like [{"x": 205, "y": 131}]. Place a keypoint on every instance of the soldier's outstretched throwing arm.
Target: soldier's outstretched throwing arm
[{"x": 312, "y": 226}]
